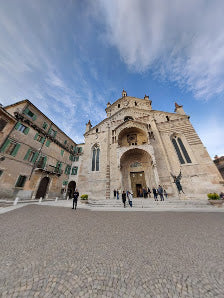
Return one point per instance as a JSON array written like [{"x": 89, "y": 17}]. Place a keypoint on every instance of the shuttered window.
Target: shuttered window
[
  {"x": 22, "y": 128},
  {"x": 74, "y": 170},
  {"x": 10, "y": 147},
  {"x": 30, "y": 114},
  {"x": 20, "y": 181}
]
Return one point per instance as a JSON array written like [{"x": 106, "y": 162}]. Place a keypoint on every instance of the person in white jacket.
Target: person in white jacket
[{"x": 130, "y": 197}]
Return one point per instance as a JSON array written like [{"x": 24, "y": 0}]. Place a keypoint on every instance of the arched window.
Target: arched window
[
  {"x": 95, "y": 158},
  {"x": 181, "y": 150}
]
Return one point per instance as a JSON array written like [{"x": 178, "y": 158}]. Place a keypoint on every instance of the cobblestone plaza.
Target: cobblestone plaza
[{"x": 58, "y": 252}]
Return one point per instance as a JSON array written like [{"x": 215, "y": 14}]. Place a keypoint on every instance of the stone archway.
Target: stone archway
[
  {"x": 132, "y": 136},
  {"x": 136, "y": 171},
  {"x": 42, "y": 189},
  {"x": 71, "y": 188}
]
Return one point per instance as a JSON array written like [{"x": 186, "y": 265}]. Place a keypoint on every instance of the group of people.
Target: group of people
[
  {"x": 159, "y": 192},
  {"x": 125, "y": 195}
]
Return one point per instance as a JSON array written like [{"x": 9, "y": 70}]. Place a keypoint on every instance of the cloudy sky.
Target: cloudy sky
[{"x": 71, "y": 57}]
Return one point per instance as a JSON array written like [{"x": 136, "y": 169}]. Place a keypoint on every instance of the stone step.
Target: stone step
[{"x": 150, "y": 203}]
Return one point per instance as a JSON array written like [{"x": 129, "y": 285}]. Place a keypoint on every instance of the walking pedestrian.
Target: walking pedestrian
[
  {"x": 75, "y": 198},
  {"x": 144, "y": 193},
  {"x": 165, "y": 193},
  {"x": 115, "y": 193},
  {"x": 155, "y": 193},
  {"x": 130, "y": 197},
  {"x": 160, "y": 192},
  {"x": 124, "y": 198}
]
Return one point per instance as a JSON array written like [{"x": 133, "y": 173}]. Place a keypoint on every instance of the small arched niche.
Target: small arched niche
[{"x": 128, "y": 118}]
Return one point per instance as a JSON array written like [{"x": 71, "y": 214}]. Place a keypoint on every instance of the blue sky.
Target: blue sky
[{"x": 71, "y": 57}]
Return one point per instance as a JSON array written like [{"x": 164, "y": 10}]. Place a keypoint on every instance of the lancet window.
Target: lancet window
[
  {"x": 181, "y": 150},
  {"x": 95, "y": 158}
]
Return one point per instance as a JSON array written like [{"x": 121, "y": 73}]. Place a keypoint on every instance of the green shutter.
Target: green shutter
[
  {"x": 42, "y": 140},
  {"x": 17, "y": 125},
  {"x": 44, "y": 125},
  {"x": 26, "y": 111},
  {"x": 27, "y": 154},
  {"x": 7, "y": 142},
  {"x": 62, "y": 152},
  {"x": 80, "y": 149},
  {"x": 45, "y": 160},
  {"x": 34, "y": 117},
  {"x": 36, "y": 135},
  {"x": 67, "y": 170},
  {"x": 26, "y": 130},
  {"x": 35, "y": 157},
  {"x": 48, "y": 143},
  {"x": 14, "y": 152},
  {"x": 55, "y": 133},
  {"x": 49, "y": 131}
]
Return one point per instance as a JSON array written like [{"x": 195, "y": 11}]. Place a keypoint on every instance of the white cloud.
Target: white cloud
[
  {"x": 212, "y": 136},
  {"x": 182, "y": 41}
]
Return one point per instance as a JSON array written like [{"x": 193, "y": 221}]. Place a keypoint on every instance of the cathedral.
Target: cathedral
[{"x": 136, "y": 147}]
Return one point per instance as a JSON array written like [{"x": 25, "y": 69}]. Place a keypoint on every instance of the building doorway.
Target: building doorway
[
  {"x": 42, "y": 189},
  {"x": 71, "y": 189},
  {"x": 136, "y": 171},
  {"x": 137, "y": 183}
]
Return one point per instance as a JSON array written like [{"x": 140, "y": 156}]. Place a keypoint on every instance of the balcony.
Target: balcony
[{"x": 49, "y": 169}]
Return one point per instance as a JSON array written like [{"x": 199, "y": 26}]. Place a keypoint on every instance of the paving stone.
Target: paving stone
[{"x": 53, "y": 252}]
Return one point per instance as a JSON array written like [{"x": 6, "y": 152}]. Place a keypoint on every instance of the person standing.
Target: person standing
[
  {"x": 165, "y": 193},
  {"x": 115, "y": 193},
  {"x": 149, "y": 192},
  {"x": 130, "y": 197},
  {"x": 144, "y": 193},
  {"x": 160, "y": 192},
  {"x": 155, "y": 193},
  {"x": 124, "y": 198},
  {"x": 75, "y": 198}
]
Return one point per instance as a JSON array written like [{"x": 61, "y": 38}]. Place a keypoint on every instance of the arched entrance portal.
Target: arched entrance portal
[
  {"x": 71, "y": 189},
  {"x": 137, "y": 171},
  {"x": 42, "y": 189}
]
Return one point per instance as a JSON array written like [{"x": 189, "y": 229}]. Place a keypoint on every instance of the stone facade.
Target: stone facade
[
  {"x": 137, "y": 147},
  {"x": 35, "y": 155}
]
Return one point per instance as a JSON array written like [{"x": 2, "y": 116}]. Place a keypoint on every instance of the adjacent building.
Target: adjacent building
[
  {"x": 219, "y": 162},
  {"x": 36, "y": 156},
  {"x": 137, "y": 147}
]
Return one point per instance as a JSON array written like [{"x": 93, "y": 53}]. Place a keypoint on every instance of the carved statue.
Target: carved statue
[{"x": 176, "y": 180}]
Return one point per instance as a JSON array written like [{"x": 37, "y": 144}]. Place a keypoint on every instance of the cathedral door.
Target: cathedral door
[{"x": 137, "y": 183}]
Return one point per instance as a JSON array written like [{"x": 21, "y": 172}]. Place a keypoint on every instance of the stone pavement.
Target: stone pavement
[{"x": 59, "y": 252}]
